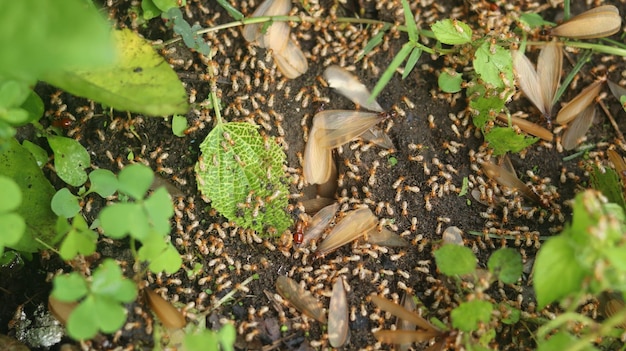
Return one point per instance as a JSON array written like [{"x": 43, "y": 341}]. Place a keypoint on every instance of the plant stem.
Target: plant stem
[
  {"x": 561, "y": 320},
  {"x": 47, "y": 245}
]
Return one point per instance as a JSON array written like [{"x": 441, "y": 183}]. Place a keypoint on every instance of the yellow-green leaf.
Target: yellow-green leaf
[{"x": 140, "y": 81}]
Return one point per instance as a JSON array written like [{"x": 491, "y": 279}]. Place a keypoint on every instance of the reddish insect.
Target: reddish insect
[
  {"x": 298, "y": 236},
  {"x": 64, "y": 122}
]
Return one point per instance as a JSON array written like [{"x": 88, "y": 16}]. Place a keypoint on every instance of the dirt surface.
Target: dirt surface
[{"x": 436, "y": 148}]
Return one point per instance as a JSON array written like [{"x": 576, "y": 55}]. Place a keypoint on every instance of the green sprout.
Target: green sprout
[{"x": 101, "y": 299}]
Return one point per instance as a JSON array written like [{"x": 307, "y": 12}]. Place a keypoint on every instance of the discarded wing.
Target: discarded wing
[
  {"x": 425, "y": 332},
  {"x": 354, "y": 225},
  {"x": 509, "y": 179},
  {"x": 578, "y": 128},
  {"x": 385, "y": 237},
  {"x": 338, "y": 319},
  {"x": 619, "y": 92},
  {"x": 598, "y": 22},
  {"x": 300, "y": 298},
  {"x": 349, "y": 86},
  {"x": 318, "y": 161},
  {"x": 288, "y": 57},
  {"x": 61, "y": 310},
  {"x": 169, "y": 316},
  {"x": 338, "y": 127},
  {"x": 319, "y": 222},
  {"x": 580, "y": 102},
  {"x": 540, "y": 85},
  {"x": 312, "y": 206},
  {"x": 528, "y": 127}
]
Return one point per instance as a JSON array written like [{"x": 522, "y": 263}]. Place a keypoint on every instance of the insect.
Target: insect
[
  {"x": 64, "y": 122},
  {"x": 505, "y": 176},
  {"x": 333, "y": 128},
  {"x": 599, "y": 22},
  {"x": 298, "y": 236},
  {"x": 540, "y": 85}
]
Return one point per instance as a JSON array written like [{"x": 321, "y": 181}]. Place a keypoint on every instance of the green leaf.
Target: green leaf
[
  {"x": 238, "y": 164},
  {"x": 452, "y": 32},
  {"x": 450, "y": 82},
  {"x": 409, "y": 20},
  {"x": 160, "y": 210},
  {"x": 70, "y": 159},
  {"x": 48, "y": 36},
  {"x": 534, "y": 20},
  {"x": 69, "y": 287},
  {"x": 557, "y": 261},
  {"x": 83, "y": 323},
  {"x": 17, "y": 163},
  {"x": 161, "y": 255},
  {"x": 140, "y": 81},
  {"x": 504, "y": 139},
  {"x": 121, "y": 219},
  {"x": 103, "y": 182},
  {"x": 40, "y": 155},
  {"x": 135, "y": 180},
  {"x": 506, "y": 264},
  {"x": 374, "y": 41},
  {"x": 511, "y": 315},
  {"x": 111, "y": 315},
  {"x": 165, "y": 5},
  {"x": 149, "y": 9},
  {"x": 34, "y": 106},
  {"x": 13, "y": 229},
  {"x": 468, "y": 314},
  {"x": 455, "y": 260},
  {"x": 608, "y": 183},
  {"x": 562, "y": 340},
  {"x": 13, "y": 93},
  {"x": 227, "y": 336},
  {"x": 486, "y": 109},
  {"x": 415, "y": 55},
  {"x": 79, "y": 240},
  {"x": 11, "y": 195},
  {"x": 395, "y": 63},
  {"x": 179, "y": 125},
  {"x": 233, "y": 12},
  {"x": 494, "y": 64},
  {"x": 65, "y": 204},
  {"x": 108, "y": 281}
]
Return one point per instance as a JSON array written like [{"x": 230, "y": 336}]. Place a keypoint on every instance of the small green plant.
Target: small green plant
[
  {"x": 101, "y": 298},
  {"x": 476, "y": 313},
  {"x": 188, "y": 33},
  {"x": 586, "y": 258}
]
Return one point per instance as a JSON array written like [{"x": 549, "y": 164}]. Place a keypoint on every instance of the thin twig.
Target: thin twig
[{"x": 613, "y": 122}]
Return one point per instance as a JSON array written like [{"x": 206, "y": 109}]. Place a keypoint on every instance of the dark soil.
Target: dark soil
[{"x": 229, "y": 255}]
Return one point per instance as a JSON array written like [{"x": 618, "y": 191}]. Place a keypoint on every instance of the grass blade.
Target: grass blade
[
  {"x": 415, "y": 55},
  {"x": 409, "y": 20},
  {"x": 233, "y": 12},
  {"x": 386, "y": 77}
]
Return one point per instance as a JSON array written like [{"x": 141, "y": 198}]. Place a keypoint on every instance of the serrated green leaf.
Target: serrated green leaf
[
  {"x": 467, "y": 315},
  {"x": 18, "y": 163},
  {"x": 135, "y": 180},
  {"x": 80, "y": 240},
  {"x": 556, "y": 261},
  {"x": 237, "y": 165},
  {"x": 494, "y": 64},
  {"x": 455, "y": 260},
  {"x": 103, "y": 182},
  {"x": 452, "y": 32},
  {"x": 140, "y": 81},
  {"x": 179, "y": 125},
  {"x": 65, "y": 204},
  {"x": 450, "y": 82},
  {"x": 51, "y": 36},
  {"x": 70, "y": 159},
  {"x": 503, "y": 140},
  {"x": 69, "y": 287},
  {"x": 506, "y": 264},
  {"x": 40, "y": 155}
]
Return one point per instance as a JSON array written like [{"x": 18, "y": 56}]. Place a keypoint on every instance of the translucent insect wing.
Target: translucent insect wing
[
  {"x": 349, "y": 86},
  {"x": 529, "y": 81},
  {"x": 578, "y": 128},
  {"x": 338, "y": 127},
  {"x": 598, "y": 22},
  {"x": 549, "y": 66}
]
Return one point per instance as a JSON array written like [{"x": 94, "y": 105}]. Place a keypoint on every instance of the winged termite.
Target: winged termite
[
  {"x": 338, "y": 319},
  {"x": 318, "y": 161},
  {"x": 355, "y": 224},
  {"x": 619, "y": 92},
  {"x": 169, "y": 316},
  {"x": 599, "y": 22},
  {"x": 528, "y": 127},
  {"x": 300, "y": 298},
  {"x": 509, "y": 179},
  {"x": 578, "y": 128},
  {"x": 580, "y": 102},
  {"x": 409, "y": 304},
  {"x": 540, "y": 85},
  {"x": 341, "y": 126},
  {"x": 425, "y": 331},
  {"x": 315, "y": 227},
  {"x": 288, "y": 57}
]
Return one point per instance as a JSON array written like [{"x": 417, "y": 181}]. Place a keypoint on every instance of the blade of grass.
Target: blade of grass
[
  {"x": 410, "y": 22},
  {"x": 584, "y": 59},
  {"x": 386, "y": 77},
  {"x": 374, "y": 42},
  {"x": 233, "y": 12},
  {"x": 411, "y": 61}
]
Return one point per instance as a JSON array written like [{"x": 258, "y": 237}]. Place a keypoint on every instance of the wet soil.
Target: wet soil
[{"x": 436, "y": 150}]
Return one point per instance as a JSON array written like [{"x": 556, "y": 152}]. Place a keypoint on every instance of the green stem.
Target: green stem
[
  {"x": 601, "y": 330},
  {"x": 562, "y": 320},
  {"x": 597, "y": 48},
  {"x": 581, "y": 62},
  {"x": 46, "y": 245}
]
